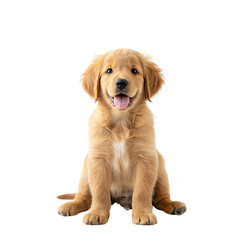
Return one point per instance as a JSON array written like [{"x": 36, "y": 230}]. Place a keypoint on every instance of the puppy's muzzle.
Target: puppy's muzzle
[{"x": 121, "y": 84}]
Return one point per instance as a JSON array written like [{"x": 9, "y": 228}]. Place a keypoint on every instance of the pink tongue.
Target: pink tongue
[{"x": 121, "y": 101}]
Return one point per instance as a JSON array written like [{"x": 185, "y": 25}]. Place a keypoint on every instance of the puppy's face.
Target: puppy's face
[{"x": 121, "y": 78}]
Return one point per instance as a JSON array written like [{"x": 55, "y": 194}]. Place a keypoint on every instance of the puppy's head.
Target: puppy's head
[{"x": 122, "y": 78}]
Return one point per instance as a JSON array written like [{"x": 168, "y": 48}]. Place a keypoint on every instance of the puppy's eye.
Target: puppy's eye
[
  {"x": 134, "y": 71},
  {"x": 109, "y": 71}
]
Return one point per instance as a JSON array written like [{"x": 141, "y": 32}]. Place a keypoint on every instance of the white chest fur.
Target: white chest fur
[
  {"x": 121, "y": 169},
  {"x": 120, "y": 158}
]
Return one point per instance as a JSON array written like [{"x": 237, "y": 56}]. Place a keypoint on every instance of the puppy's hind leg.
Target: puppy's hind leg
[
  {"x": 161, "y": 199},
  {"x": 82, "y": 199}
]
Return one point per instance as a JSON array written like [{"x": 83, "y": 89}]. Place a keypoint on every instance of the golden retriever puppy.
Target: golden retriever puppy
[{"x": 122, "y": 164}]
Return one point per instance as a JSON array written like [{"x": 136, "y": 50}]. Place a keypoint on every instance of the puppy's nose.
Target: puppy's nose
[{"x": 121, "y": 83}]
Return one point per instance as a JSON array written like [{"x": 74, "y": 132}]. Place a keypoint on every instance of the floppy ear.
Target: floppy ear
[
  {"x": 153, "y": 79},
  {"x": 91, "y": 78}
]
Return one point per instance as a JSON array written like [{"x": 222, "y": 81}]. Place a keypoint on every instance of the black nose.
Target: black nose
[{"x": 121, "y": 83}]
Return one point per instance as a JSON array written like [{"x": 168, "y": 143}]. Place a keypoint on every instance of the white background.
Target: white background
[{"x": 47, "y": 45}]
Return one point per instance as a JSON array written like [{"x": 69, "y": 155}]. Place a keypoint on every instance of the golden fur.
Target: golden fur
[{"x": 123, "y": 164}]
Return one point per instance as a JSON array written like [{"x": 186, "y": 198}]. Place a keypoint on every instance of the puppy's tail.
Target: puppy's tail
[{"x": 67, "y": 196}]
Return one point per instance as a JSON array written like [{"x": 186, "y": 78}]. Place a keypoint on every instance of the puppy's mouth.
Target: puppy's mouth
[{"x": 121, "y": 101}]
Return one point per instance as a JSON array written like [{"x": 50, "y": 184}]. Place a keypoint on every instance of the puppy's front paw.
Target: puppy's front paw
[
  {"x": 94, "y": 218},
  {"x": 144, "y": 219}
]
